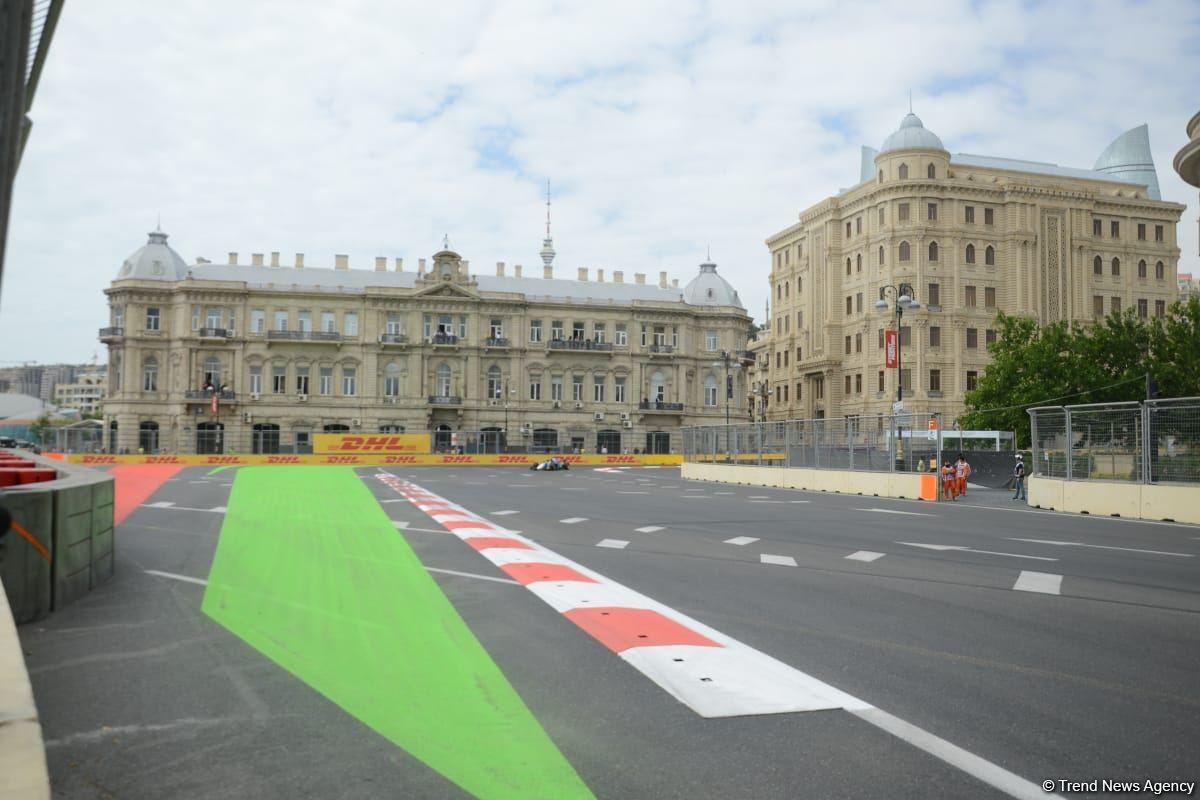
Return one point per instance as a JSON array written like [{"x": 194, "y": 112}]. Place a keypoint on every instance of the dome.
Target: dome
[
  {"x": 154, "y": 261},
  {"x": 710, "y": 289},
  {"x": 1128, "y": 158},
  {"x": 912, "y": 135}
]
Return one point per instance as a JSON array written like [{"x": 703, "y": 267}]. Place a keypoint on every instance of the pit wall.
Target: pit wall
[
  {"x": 379, "y": 459},
  {"x": 879, "y": 484},
  {"x": 1172, "y": 502},
  {"x": 23, "y": 774}
]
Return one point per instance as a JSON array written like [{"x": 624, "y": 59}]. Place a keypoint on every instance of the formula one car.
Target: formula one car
[{"x": 551, "y": 464}]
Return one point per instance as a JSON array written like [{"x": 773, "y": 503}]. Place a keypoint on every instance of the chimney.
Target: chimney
[
  {"x": 639, "y": 278},
  {"x": 343, "y": 262},
  {"x": 499, "y": 269},
  {"x": 421, "y": 267},
  {"x": 464, "y": 268},
  {"x": 583, "y": 273},
  {"x": 618, "y": 276},
  {"x": 299, "y": 260},
  {"x": 256, "y": 259},
  {"x": 516, "y": 270},
  {"x": 675, "y": 283},
  {"x": 662, "y": 280},
  {"x": 274, "y": 258},
  {"x": 600, "y": 275},
  {"x": 399, "y": 265},
  {"x": 380, "y": 264},
  {"x": 233, "y": 257},
  {"x": 548, "y": 272}
]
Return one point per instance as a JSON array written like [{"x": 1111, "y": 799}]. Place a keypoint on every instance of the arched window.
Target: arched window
[
  {"x": 858, "y": 263},
  {"x": 1097, "y": 266},
  {"x": 391, "y": 380},
  {"x": 150, "y": 375},
  {"x": 933, "y": 251},
  {"x": 970, "y": 254},
  {"x": 1116, "y": 266},
  {"x": 1142, "y": 268},
  {"x": 930, "y": 171},
  {"x": 212, "y": 372},
  {"x": 443, "y": 380},
  {"x": 1160, "y": 271},
  {"x": 989, "y": 256},
  {"x": 881, "y": 255},
  {"x": 847, "y": 266},
  {"x": 904, "y": 252},
  {"x": 903, "y": 171},
  {"x": 494, "y": 390},
  {"x": 710, "y": 391}
]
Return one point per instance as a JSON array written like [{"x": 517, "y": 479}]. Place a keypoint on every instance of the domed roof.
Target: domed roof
[
  {"x": 154, "y": 261},
  {"x": 1128, "y": 158},
  {"x": 912, "y": 135},
  {"x": 710, "y": 289}
]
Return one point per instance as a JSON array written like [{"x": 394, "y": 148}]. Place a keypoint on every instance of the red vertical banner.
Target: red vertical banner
[
  {"x": 891, "y": 348},
  {"x": 214, "y": 402}
]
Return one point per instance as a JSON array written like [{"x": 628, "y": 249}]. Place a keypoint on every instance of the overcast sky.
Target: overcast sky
[{"x": 373, "y": 128}]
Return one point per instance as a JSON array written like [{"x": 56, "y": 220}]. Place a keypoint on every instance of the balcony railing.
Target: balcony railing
[
  {"x": 303, "y": 336},
  {"x": 495, "y": 341},
  {"x": 580, "y": 344},
  {"x": 111, "y": 333},
  {"x": 445, "y": 400},
  {"x": 443, "y": 339},
  {"x": 204, "y": 395},
  {"x": 660, "y": 405},
  {"x": 662, "y": 349},
  {"x": 393, "y": 338},
  {"x": 214, "y": 333}
]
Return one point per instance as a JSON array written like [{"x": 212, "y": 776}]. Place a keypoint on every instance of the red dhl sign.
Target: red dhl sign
[
  {"x": 368, "y": 458},
  {"x": 370, "y": 443}
]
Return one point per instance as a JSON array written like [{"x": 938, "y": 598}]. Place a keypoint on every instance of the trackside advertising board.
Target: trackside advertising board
[
  {"x": 380, "y": 459},
  {"x": 370, "y": 443}
]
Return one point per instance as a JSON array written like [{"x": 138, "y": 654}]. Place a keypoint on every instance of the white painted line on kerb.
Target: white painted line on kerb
[
  {"x": 504, "y": 513},
  {"x": 783, "y": 561},
  {"x": 1043, "y": 582},
  {"x": 742, "y": 540},
  {"x": 893, "y": 511},
  {"x": 615, "y": 544},
  {"x": 650, "y": 529},
  {"x": 1104, "y": 547},
  {"x": 865, "y": 555},
  {"x": 175, "y": 577},
  {"x": 572, "y": 520}
]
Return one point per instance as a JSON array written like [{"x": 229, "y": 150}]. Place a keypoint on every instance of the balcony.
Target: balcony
[
  {"x": 304, "y": 336},
  {"x": 443, "y": 340},
  {"x": 393, "y": 339},
  {"x": 496, "y": 341},
  {"x": 214, "y": 333},
  {"x": 580, "y": 344},
  {"x": 660, "y": 406},
  {"x": 661, "y": 350},
  {"x": 111, "y": 334},
  {"x": 205, "y": 395},
  {"x": 445, "y": 400}
]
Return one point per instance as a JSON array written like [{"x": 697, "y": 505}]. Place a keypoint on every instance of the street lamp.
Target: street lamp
[
  {"x": 507, "y": 393},
  {"x": 732, "y": 363},
  {"x": 905, "y": 299}
]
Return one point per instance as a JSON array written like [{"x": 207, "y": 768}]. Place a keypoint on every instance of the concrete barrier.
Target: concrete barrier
[
  {"x": 1171, "y": 502},
  {"x": 23, "y": 774},
  {"x": 877, "y": 484}
]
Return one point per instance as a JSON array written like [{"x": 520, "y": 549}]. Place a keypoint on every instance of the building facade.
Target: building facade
[
  {"x": 259, "y": 357},
  {"x": 85, "y": 394},
  {"x": 972, "y": 235}
]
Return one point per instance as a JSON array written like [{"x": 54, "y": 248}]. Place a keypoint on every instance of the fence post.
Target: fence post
[
  {"x": 1147, "y": 443},
  {"x": 1033, "y": 442},
  {"x": 1070, "y": 443}
]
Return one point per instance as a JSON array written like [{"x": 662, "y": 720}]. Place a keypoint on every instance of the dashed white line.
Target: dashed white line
[
  {"x": 1043, "y": 582},
  {"x": 865, "y": 555},
  {"x": 783, "y": 561},
  {"x": 742, "y": 540},
  {"x": 504, "y": 513},
  {"x": 960, "y": 548},
  {"x": 173, "y": 576},
  {"x": 649, "y": 529},
  {"x": 724, "y": 492},
  {"x": 615, "y": 544},
  {"x": 799, "y": 501},
  {"x": 759, "y": 497},
  {"x": 572, "y": 520},
  {"x": 894, "y": 511},
  {"x": 1103, "y": 547},
  {"x": 633, "y": 493}
]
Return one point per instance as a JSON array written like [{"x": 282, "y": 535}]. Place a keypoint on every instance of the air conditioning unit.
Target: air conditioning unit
[
  {"x": 625, "y": 416},
  {"x": 578, "y": 405},
  {"x": 558, "y": 403},
  {"x": 254, "y": 395},
  {"x": 356, "y": 423},
  {"x": 247, "y": 418},
  {"x": 598, "y": 416},
  {"x": 302, "y": 398},
  {"x": 627, "y": 423}
]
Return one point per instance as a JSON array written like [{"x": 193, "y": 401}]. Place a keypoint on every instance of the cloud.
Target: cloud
[{"x": 373, "y": 128}]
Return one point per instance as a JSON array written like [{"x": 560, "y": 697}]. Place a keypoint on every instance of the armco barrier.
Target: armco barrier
[
  {"x": 378, "y": 460},
  {"x": 1157, "y": 501},
  {"x": 880, "y": 484},
  {"x": 23, "y": 774}
]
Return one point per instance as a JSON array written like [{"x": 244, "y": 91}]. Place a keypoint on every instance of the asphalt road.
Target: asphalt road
[{"x": 1093, "y": 676}]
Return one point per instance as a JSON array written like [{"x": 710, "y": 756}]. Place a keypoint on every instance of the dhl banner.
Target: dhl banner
[
  {"x": 389, "y": 443},
  {"x": 381, "y": 459}
]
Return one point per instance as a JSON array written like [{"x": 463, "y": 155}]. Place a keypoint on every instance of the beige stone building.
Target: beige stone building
[
  {"x": 596, "y": 363},
  {"x": 85, "y": 394},
  {"x": 973, "y": 235}
]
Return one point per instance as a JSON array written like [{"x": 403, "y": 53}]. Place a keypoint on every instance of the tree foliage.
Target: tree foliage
[{"x": 1105, "y": 362}]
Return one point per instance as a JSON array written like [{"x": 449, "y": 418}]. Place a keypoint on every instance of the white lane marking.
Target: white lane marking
[
  {"x": 173, "y": 576},
  {"x": 759, "y": 497},
  {"x": 633, "y": 493},
  {"x": 398, "y": 500},
  {"x": 995, "y": 776},
  {"x": 573, "y": 488},
  {"x": 406, "y": 527},
  {"x": 650, "y": 529},
  {"x": 615, "y": 544},
  {"x": 572, "y": 520},
  {"x": 972, "y": 550},
  {"x": 163, "y": 504},
  {"x": 693, "y": 490},
  {"x": 893, "y": 511},
  {"x": 724, "y": 492},
  {"x": 173, "y": 507},
  {"x": 865, "y": 555},
  {"x": 473, "y": 575},
  {"x": 777, "y": 502},
  {"x": 742, "y": 540},
  {"x": 1044, "y": 582},
  {"x": 504, "y": 513},
  {"x": 1104, "y": 547},
  {"x": 783, "y": 561},
  {"x": 799, "y": 501},
  {"x": 521, "y": 485}
]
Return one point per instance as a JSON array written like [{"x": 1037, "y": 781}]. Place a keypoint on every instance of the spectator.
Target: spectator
[{"x": 1019, "y": 478}]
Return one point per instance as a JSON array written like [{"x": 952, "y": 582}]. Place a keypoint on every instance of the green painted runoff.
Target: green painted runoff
[{"x": 312, "y": 573}]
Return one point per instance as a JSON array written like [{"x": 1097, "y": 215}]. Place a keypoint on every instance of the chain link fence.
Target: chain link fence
[
  {"x": 1150, "y": 442},
  {"x": 908, "y": 442}
]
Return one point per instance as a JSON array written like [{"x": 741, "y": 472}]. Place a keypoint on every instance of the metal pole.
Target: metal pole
[
  {"x": 1070, "y": 444},
  {"x": 899, "y": 351}
]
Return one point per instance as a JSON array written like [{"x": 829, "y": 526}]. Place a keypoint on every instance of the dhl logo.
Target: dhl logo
[
  {"x": 284, "y": 460},
  {"x": 99, "y": 460},
  {"x": 458, "y": 459},
  {"x": 399, "y": 459},
  {"x": 373, "y": 443},
  {"x": 512, "y": 460},
  {"x": 163, "y": 460},
  {"x": 223, "y": 460},
  {"x": 621, "y": 460},
  {"x": 341, "y": 460}
]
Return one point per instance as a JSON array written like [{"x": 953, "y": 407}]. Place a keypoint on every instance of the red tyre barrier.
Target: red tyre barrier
[{"x": 18, "y": 476}]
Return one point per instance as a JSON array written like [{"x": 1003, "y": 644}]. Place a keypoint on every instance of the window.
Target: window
[
  {"x": 935, "y": 380},
  {"x": 969, "y": 215},
  {"x": 395, "y": 324},
  {"x": 847, "y": 229},
  {"x": 599, "y": 332},
  {"x": 153, "y": 320},
  {"x": 904, "y": 253},
  {"x": 778, "y": 291},
  {"x": 301, "y": 380},
  {"x": 930, "y": 172},
  {"x": 970, "y": 254},
  {"x": 535, "y": 387},
  {"x": 710, "y": 391},
  {"x": 858, "y": 263},
  {"x": 598, "y": 388},
  {"x": 799, "y": 390},
  {"x": 578, "y": 331},
  {"x": 1116, "y": 267},
  {"x": 847, "y": 266},
  {"x": 972, "y": 338},
  {"x": 256, "y": 380},
  {"x": 496, "y": 329},
  {"x": 989, "y": 337},
  {"x": 931, "y": 212},
  {"x": 786, "y": 353},
  {"x": 443, "y": 379},
  {"x": 328, "y": 322},
  {"x": 1142, "y": 268},
  {"x": 1097, "y": 266},
  {"x": 325, "y": 381},
  {"x": 881, "y": 338},
  {"x": 903, "y": 171},
  {"x": 1141, "y": 231},
  {"x": 989, "y": 256},
  {"x": 933, "y": 251},
  {"x": 1160, "y": 308},
  {"x": 1160, "y": 271},
  {"x": 989, "y": 216},
  {"x": 462, "y": 326},
  {"x": 1143, "y": 307},
  {"x": 535, "y": 331},
  {"x": 495, "y": 389},
  {"x": 858, "y": 383},
  {"x": 799, "y": 356},
  {"x": 279, "y": 380},
  {"x": 1115, "y": 303},
  {"x": 858, "y": 224},
  {"x": 848, "y": 384},
  {"x": 212, "y": 317},
  {"x": 1097, "y": 306},
  {"x": 710, "y": 340},
  {"x": 150, "y": 374},
  {"x": 819, "y": 388},
  {"x": 906, "y": 380},
  {"x": 349, "y": 381},
  {"x": 935, "y": 295},
  {"x": 881, "y": 214},
  {"x": 904, "y": 212},
  {"x": 972, "y": 380},
  {"x": 195, "y": 318},
  {"x": 905, "y": 335},
  {"x": 391, "y": 380},
  {"x": 849, "y": 305},
  {"x": 857, "y": 345},
  {"x": 622, "y": 335},
  {"x": 1097, "y": 227},
  {"x": 785, "y": 393},
  {"x": 212, "y": 372},
  {"x": 281, "y": 320},
  {"x": 847, "y": 345},
  {"x": 880, "y": 389},
  {"x": 556, "y": 330},
  {"x": 556, "y": 389},
  {"x": 350, "y": 326},
  {"x": 969, "y": 300},
  {"x": 1158, "y": 233},
  {"x": 858, "y": 302},
  {"x": 779, "y": 360},
  {"x": 989, "y": 296},
  {"x": 881, "y": 255},
  {"x": 935, "y": 336},
  {"x": 619, "y": 389},
  {"x": 1114, "y": 229},
  {"x": 577, "y": 388}
]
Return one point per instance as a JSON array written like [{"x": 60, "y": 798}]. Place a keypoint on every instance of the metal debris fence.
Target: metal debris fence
[
  {"x": 884, "y": 443},
  {"x": 1156, "y": 441}
]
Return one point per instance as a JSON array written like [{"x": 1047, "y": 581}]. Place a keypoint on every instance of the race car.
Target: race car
[{"x": 550, "y": 464}]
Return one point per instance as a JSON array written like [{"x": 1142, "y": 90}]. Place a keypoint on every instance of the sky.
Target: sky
[{"x": 665, "y": 128}]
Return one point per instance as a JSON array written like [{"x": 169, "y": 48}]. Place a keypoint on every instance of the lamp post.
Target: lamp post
[
  {"x": 905, "y": 299},
  {"x": 731, "y": 363},
  {"x": 507, "y": 393}
]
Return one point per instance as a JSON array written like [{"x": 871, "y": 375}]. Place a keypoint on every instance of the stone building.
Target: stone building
[
  {"x": 85, "y": 393},
  {"x": 972, "y": 235},
  {"x": 258, "y": 357}
]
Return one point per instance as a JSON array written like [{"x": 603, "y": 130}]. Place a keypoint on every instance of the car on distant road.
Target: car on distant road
[
  {"x": 551, "y": 464},
  {"x": 6, "y": 441},
  {"x": 21, "y": 444}
]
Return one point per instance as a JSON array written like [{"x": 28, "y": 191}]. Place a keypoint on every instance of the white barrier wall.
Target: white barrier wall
[
  {"x": 23, "y": 773},
  {"x": 878, "y": 484},
  {"x": 1173, "y": 502}
]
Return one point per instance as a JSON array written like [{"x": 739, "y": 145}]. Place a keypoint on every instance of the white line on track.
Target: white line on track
[
  {"x": 504, "y": 513},
  {"x": 960, "y": 548},
  {"x": 404, "y": 526},
  {"x": 573, "y": 520},
  {"x": 173, "y": 507},
  {"x": 173, "y": 576},
  {"x": 474, "y": 575},
  {"x": 783, "y": 561},
  {"x": 865, "y": 555},
  {"x": 633, "y": 493},
  {"x": 742, "y": 540},
  {"x": 799, "y": 501},
  {"x": 1043, "y": 582},
  {"x": 162, "y": 504},
  {"x": 398, "y": 500},
  {"x": 649, "y": 529},
  {"x": 615, "y": 544},
  {"x": 1103, "y": 547},
  {"x": 724, "y": 492},
  {"x": 893, "y": 511},
  {"x": 759, "y": 497}
]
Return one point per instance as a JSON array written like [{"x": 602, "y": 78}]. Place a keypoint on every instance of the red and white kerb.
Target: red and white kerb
[{"x": 713, "y": 674}]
